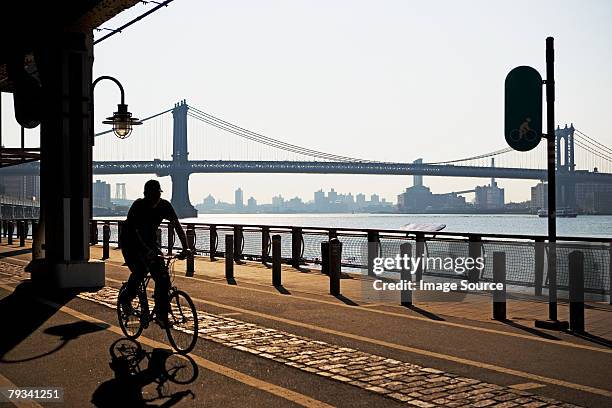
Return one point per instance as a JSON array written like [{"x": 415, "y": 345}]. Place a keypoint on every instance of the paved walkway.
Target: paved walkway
[{"x": 308, "y": 332}]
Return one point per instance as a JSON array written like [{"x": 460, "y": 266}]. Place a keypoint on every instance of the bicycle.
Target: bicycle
[
  {"x": 530, "y": 135},
  {"x": 182, "y": 325}
]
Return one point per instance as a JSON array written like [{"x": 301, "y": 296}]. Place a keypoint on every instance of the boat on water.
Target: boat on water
[{"x": 565, "y": 212}]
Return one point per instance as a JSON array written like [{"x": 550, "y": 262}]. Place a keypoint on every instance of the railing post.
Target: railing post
[
  {"x": 229, "y": 257},
  {"x": 276, "y": 260},
  {"x": 373, "y": 250},
  {"x": 335, "y": 260},
  {"x": 93, "y": 232},
  {"x": 420, "y": 252},
  {"x": 191, "y": 238},
  {"x": 296, "y": 246},
  {"x": 105, "y": 240},
  {"x": 238, "y": 242},
  {"x": 325, "y": 257},
  {"x": 332, "y": 233},
  {"x": 539, "y": 266},
  {"x": 158, "y": 236},
  {"x": 406, "y": 275},
  {"x": 474, "y": 251},
  {"x": 499, "y": 276},
  {"x": 23, "y": 230},
  {"x": 576, "y": 289},
  {"x": 212, "y": 241},
  {"x": 120, "y": 227},
  {"x": 265, "y": 244},
  {"x": 171, "y": 238},
  {"x": 11, "y": 227}
]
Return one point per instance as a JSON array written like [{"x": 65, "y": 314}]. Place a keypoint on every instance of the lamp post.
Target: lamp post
[{"x": 121, "y": 120}]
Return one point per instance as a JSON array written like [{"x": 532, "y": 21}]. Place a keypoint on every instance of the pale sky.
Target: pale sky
[{"x": 384, "y": 80}]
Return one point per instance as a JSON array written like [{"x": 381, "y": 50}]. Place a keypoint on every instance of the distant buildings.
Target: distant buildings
[
  {"x": 21, "y": 187},
  {"x": 489, "y": 197},
  {"x": 238, "y": 198},
  {"x": 419, "y": 198},
  {"x": 591, "y": 198},
  {"x": 101, "y": 194}
]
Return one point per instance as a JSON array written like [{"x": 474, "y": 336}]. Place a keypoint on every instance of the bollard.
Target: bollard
[
  {"x": 238, "y": 243},
  {"x": 325, "y": 257},
  {"x": 105, "y": 241},
  {"x": 93, "y": 232},
  {"x": 373, "y": 249},
  {"x": 191, "y": 238},
  {"x": 276, "y": 260},
  {"x": 474, "y": 251},
  {"x": 420, "y": 252},
  {"x": 265, "y": 244},
  {"x": 576, "y": 289},
  {"x": 406, "y": 275},
  {"x": 23, "y": 231},
  {"x": 296, "y": 246},
  {"x": 171, "y": 239},
  {"x": 10, "y": 232},
  {"x": 335, "y": 259},
  {"x": 539, "y": 266},
  {"x": 229, "y": 257},
  {"x": 499, "y": 276},
  {"x": 212, "y": 241}
]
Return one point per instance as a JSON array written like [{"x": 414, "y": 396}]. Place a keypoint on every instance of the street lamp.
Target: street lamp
[{"x": 121, "y": 120}]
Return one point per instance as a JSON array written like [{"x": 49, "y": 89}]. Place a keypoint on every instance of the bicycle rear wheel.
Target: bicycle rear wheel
[
  {"x": 182, "y": 327},
  {"x": 131, "y": 321}
]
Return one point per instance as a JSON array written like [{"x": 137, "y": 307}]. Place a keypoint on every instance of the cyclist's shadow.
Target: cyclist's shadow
[{"x": 135, "y": 369}]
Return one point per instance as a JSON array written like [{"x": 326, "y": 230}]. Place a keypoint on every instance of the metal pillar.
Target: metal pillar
[{"x": 179, "y": 174}]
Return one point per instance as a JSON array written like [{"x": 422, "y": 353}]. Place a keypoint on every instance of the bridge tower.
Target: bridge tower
[
  {"x": 180, "y": 169},
  {"x": 566, "y": 186}
]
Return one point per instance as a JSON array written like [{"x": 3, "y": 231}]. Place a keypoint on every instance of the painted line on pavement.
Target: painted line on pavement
[
  {"x": 6, "y": 383},
  {"x": 274, "y": 389}
]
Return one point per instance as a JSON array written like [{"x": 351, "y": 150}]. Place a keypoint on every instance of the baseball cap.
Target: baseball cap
[{"x": 152, "y": 185}]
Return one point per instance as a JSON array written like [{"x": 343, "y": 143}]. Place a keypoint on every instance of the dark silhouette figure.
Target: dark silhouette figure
[
  {"x": 135, "y": 368},
  {"x": 141, "y": 250}
]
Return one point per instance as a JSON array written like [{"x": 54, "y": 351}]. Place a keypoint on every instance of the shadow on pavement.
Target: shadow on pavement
[
  {"x": 594, "y": 339},
  {"x": 530, "y": 330},
  {"x": 346, "y": 300},
  {"x": 135, "y": 368},
  {"x": 16, "y": 252},
  {"x": 282, "y": 289},
  {"x": 23, "y": 313},
  {"x": 425, "y": 313}
]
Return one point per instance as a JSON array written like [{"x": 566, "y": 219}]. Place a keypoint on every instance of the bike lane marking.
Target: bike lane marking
[{"x": 246, "y": 379}]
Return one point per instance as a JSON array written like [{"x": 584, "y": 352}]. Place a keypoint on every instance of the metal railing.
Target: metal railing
[{"x": 525, "y": 254}]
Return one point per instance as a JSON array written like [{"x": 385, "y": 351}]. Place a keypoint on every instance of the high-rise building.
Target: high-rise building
[
  {"x": 319, "y": 199},
  {"x": 238, "y": 198},
  {"x": 489, "y": 197},
  {"x": 252, "y": 203},
  {"x": 101, "y": 194},
  {"x": 22, "y": 187},
  {"x": 360, "y": 200},
  {"x": 374, "y": 199},
  {"x": 539, "y": 196}
]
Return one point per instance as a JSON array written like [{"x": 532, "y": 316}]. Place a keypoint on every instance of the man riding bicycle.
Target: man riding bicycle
[{"x": 142, "y": 252}]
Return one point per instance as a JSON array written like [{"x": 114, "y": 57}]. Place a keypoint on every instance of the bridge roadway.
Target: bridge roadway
[
  {"x": 295, "y": 345},
  {"x": 165, "y": 168}
]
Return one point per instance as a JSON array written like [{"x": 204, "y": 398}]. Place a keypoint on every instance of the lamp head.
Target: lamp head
[{"x": 122, "y": 121}]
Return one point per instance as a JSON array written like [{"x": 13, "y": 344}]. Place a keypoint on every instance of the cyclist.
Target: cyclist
[
  {"x": 141, "y": 251},
  {"x": 524, "y": 128}
]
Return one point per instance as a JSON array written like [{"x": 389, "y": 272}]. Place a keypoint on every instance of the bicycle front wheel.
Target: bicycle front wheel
[
  {"x": 131, "y": 314},
  {"x": 182, "y": 327}
]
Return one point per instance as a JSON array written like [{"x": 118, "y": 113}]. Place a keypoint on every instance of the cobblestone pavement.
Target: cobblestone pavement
[{"x": 402, "y": 381}]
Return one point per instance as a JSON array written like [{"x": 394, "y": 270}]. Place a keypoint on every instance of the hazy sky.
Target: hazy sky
[{"x": 386, "y": 80}]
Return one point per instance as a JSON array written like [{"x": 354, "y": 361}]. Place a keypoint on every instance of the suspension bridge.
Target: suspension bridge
[{"x": 203, "y": 143}]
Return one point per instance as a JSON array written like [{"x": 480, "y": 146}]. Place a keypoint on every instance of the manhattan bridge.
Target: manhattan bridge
[{"x": 203, "y": 143}]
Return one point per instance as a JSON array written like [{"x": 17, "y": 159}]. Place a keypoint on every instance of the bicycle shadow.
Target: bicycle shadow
[{"x": 142, "y": 378}]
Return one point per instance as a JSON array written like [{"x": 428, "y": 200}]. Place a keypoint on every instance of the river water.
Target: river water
[{"x": 583, "y": 225}]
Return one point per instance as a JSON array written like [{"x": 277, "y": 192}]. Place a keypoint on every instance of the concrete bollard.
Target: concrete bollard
[
  {"x": 229, "y": 257},
  {"x": 23, "y": 231},
  {"x": 105, "y": 241},
  {"x": 276, "y": 260},
  {"x": 325, "y": 257},
  {"x": 335, "y": 259},
  {"x": 171, "y": 239},
  {"x": 499, "y": 276},
  {"x": 406, "y": 275},
  {"x": 576, "y": 289},
  {"x": 296, "y": 246},
  {"x": 10, "y": 229},
  {"x": 373, "y": 249},
  {"x": 191, "y": 238},
  {"x": 93, "y": 232}
]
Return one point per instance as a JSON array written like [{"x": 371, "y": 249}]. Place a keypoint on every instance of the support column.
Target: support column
[
  {"x": 64, "y": 63},
  {"x": 179, "y": 173}
]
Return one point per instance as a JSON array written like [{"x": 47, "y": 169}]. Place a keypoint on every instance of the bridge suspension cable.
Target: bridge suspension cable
[
  {"x": 593, "y": 141},
  {"x": 480, "y": 156},
  {"x": 257, "y": 137}
]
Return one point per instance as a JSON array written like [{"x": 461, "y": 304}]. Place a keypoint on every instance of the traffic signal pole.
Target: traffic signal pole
[{"x": 552, "y": 190}]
